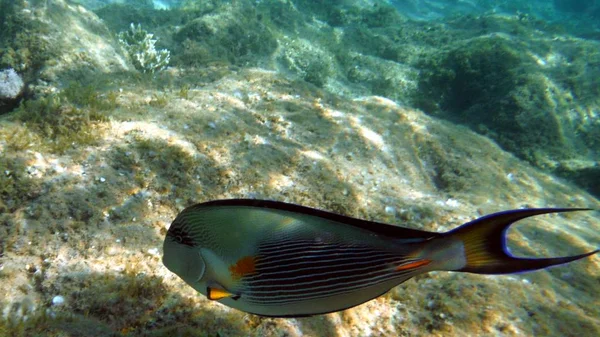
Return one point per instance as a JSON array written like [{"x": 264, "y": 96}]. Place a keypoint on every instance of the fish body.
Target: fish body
[{"x": 284, "y": 260}]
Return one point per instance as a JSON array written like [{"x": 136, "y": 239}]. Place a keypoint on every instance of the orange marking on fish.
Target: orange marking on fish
[
  {"x": 217, "y": 294},
  {"x": 244, "y": 266},
  {"x": 413, "y": 265},
  {"x": 287, "y": 221}
]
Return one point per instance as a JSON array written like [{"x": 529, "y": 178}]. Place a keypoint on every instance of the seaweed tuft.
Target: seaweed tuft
[
  {"x": 61, "y": 121},
  {"x": 16, "y": 185},
  {"x": 61, "y": 124}
]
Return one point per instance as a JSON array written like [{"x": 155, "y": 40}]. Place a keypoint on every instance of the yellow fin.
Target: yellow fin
[
  {"x": 484, "y": 242},
  {"x": 216, "y": 294}
]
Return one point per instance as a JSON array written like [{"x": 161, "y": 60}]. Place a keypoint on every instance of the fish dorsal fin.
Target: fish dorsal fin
[{"x": 376, "y": 227}]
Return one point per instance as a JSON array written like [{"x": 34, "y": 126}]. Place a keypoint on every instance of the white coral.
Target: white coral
[
  {"x": 140, "y": 45},
  {"x": 11, "y": 84}
]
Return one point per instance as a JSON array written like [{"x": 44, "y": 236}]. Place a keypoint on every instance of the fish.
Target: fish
[{"x": 277, "y": 259}]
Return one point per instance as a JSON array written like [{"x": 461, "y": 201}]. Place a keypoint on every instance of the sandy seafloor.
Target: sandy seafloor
[{"x": 92, "y": 231}]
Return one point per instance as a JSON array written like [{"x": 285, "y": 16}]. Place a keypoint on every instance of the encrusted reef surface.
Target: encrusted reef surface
[{"x": 99, "y": 157}]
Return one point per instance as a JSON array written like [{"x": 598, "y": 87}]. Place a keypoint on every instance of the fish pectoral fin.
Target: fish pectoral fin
[
  {"x": 215, "y": 294},
  {"x": 413, "y": 265}
]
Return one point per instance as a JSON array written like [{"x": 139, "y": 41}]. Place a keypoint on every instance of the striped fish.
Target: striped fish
[{"x": 283, "y": 260}]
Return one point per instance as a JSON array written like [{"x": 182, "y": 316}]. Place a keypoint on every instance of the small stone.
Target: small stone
[
  {"x": 11, "y": 84},
  {"x": 390, "y": 210},
  {"x": 452, "y": 202},
  {"x": 58, "y": 300}
]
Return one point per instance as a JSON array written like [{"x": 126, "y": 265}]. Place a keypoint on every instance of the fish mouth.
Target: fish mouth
[{"x": 185, "y": 262}]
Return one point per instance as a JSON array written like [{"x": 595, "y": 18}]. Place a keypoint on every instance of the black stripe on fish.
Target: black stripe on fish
[
  {"x": 294, "y": 243},
  {"x": 270, "y": 297},
  {"x": 318, "y": 254},
  {"x": 190, "y": 226},
  {"x": 274, "y": 258},
  {"x": 277, "y": 244},
  {"x": 311, "y": 294},
  {"x": 289, "y": 275},
  {"x": 321, "y": 270},
  {"x": 316, "y": 261},
  {"x": 326, "y": 311},
  {"x": 179, "y": 232},
  {"x": 330, "y": 279}
]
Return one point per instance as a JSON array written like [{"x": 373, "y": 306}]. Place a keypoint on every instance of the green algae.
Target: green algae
[
  {"x": 19, "y": 138},
  {"x": 469, "y": 75},
  {"x": 217, "y": 38},
  {"x": 16, "y": 185},
  {"x": 159, "y": 100},
  {"x": 312, "y": 64},
  {"x": 24, "y": 47},
  {"x": 499, "y": 86},
  {"x": 184, "y": 91},
  {"x": 166, "y": 167},
  {"x": 61, "y": 121},
  {"x": 60, "y": 124},
  {"x": 127, "y": 304}
]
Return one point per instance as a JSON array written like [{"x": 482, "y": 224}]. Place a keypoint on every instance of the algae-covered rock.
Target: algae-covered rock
[
  {"x": 470, "y": 76},
  {"x": 51, "y": 43},
  {"x": 227, "y": 35},
  {"x": 530, "y": 98},
  {"x": 307, "y": 61}
]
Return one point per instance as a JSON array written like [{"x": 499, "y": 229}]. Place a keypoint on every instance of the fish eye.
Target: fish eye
[{"x": 179, "y": 236}]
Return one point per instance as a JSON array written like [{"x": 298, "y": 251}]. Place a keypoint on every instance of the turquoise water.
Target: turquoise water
[{"x": 115, "y": 115}]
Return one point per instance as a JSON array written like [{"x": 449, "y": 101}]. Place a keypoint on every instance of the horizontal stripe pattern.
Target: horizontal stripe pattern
[
  {"x": 181, "y": 232},
  {"x": 314, "y": 294},
  {"x": 190, "y": 226},
  {"x": 290, "y": 271}
]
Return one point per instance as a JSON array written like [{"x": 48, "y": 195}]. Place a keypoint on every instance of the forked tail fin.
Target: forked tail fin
[{"x": 484, "y": 243}]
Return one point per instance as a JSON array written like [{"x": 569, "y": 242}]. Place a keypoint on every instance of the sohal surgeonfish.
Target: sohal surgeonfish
[{"x": 283, "y": 260}]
